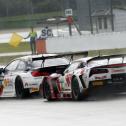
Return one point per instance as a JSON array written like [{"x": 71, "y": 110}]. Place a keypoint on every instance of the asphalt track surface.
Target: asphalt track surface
[{"x": 97, "y": 110}]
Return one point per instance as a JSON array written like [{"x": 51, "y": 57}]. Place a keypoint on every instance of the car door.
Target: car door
[{"x": 9, "y": 78}]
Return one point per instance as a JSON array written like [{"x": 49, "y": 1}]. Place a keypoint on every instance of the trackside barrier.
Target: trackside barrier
[{"x": 41, "y": 46}]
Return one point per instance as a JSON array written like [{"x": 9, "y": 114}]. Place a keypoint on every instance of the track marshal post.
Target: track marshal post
[
  {"x": 69, "y": 14},
  {"x": 41, "y": 41}
]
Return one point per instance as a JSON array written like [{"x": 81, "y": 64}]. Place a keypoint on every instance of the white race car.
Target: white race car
[
  {"x": 83, "y": 75},
  {"x": 23, "y": 75},
  {"x": 58, "y": 86}
]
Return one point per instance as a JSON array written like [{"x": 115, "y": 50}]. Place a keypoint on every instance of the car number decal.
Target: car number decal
[{"x": 6, "y": 82}]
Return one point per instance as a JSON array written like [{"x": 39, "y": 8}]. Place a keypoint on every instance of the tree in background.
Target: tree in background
[{"x": 22, "y": 7}]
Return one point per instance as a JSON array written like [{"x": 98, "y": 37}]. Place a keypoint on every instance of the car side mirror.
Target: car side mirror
[{"x": 28, "y": 68}]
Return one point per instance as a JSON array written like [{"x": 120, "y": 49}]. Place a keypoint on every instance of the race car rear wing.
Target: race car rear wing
[
  {"x": 107, "y": 57},
  {"x": 71, "y": 54}
]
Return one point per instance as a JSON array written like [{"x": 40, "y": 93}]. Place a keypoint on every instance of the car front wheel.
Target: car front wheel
[
  {"x": 76, "y": 94},
  {"x": 19, "y": 88}
]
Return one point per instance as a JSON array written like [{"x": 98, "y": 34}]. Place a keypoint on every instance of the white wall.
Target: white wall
[
  {"x": 119, "y": 19},
  {"x": 85, "y": 43}
]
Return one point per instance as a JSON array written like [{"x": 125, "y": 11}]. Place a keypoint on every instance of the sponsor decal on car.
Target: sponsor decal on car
[
  {"x": 97, "y": 83},
  {"x": 118, "y": 71},
  {"x": 68, "y": 79},
  {"x": 101, "y": 77},
  {"x": 6, "y": 82},
  {"x": 34, "y": 90}
]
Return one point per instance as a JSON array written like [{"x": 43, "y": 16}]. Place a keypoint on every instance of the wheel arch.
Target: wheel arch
[
  {"x": 80, "y": 81},
  {"x": 82, "y": 87},
  {"x": 20, "y": 91},
  {"x": 72, "y": 78},
  {"x": 18, "y": 76}
]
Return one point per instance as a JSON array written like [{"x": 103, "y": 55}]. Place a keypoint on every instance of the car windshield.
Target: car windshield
[{"x": 50, "y": 62}]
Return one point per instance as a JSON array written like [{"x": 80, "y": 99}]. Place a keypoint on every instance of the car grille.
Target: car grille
[{"x": 118, "y": 77}]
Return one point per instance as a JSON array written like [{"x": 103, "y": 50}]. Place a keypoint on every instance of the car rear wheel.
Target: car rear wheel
[
  {"x": 47, "y": 91},
  {"x": 19, "y": 88},
  {"x": 76, "y": 94},
  {"x": 41, "y": 91}
]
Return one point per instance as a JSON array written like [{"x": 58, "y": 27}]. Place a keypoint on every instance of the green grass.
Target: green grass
[
  {"x": 107, "y": 52},
  {"x": 31, "y": 17},
  {"x": 23, "y": 47},
  {"x": 6, "y": 48},
  {"x": 26, "y": 20},
  {"x": 4, "y": 60}
]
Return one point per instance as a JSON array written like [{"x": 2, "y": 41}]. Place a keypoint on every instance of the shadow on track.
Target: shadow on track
[
  {"x": 97, "y": 96},
  {"x": 106, "y": 96},
  {"x": 30, "y": 97}
]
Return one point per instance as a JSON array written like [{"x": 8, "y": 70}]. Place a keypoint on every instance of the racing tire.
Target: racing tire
[
  {"x": 76, "y": 94},
  {"x": 47, "y": 91},
  {"x": 19, "y": 88},
  {"x": 41, "y": 91}
]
